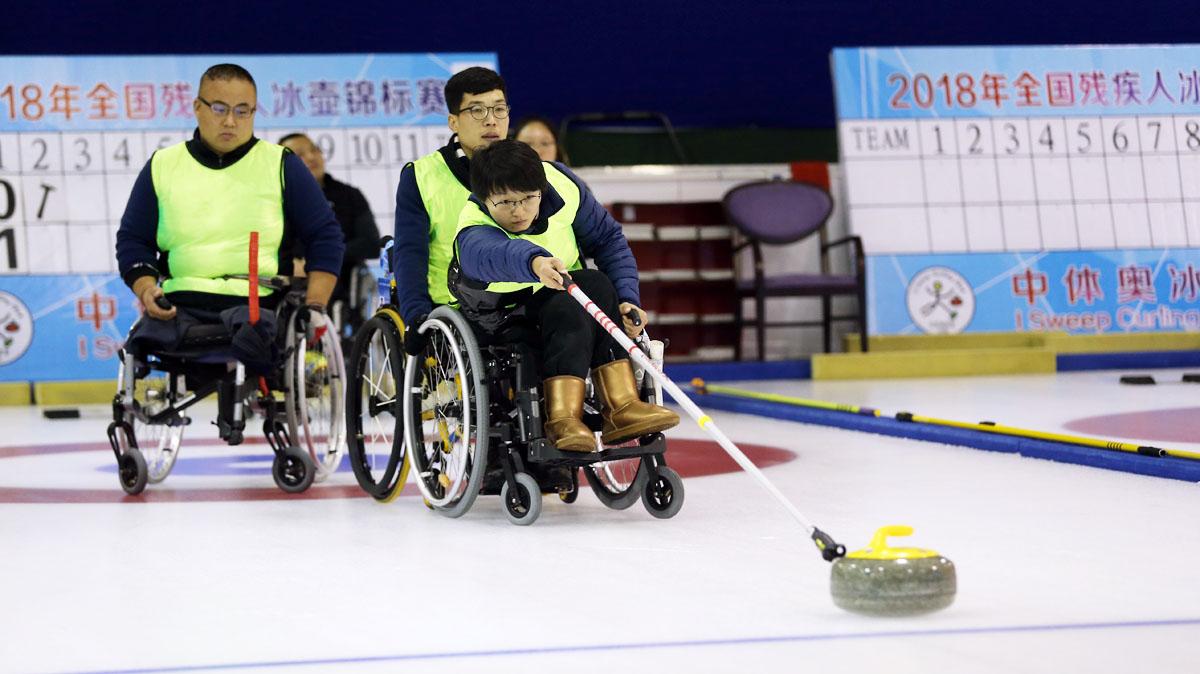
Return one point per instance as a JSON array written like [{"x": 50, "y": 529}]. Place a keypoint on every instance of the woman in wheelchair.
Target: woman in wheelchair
[{"x": 526, "y": 226}]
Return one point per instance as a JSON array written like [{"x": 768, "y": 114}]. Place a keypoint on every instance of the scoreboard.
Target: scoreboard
[{"x": 1024, "y": 188}]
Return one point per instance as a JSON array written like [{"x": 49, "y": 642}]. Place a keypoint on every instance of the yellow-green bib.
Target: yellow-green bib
[
  {"x": 205, "y": 217},
  {"x": 558, "y": 238},
  {"x": 444, "y": 197}
]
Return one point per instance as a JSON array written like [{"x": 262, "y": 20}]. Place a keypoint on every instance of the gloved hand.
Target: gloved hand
[
  {"x": 312, "y": 321},
  {"x": 415, "y": 342}
]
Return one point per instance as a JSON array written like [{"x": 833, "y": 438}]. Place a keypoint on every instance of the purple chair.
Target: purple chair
[{"x": 776, "y": 212}]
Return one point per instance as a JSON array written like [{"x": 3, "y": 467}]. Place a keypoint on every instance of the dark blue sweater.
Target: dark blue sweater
[
  {"x": 306, "y": 213},
  {"x": 487, "y": 254}
]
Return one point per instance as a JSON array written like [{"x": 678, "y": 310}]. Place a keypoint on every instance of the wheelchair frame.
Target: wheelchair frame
[
  {"x": 197, "y": 370},
  {"x": 619, "y": 476}
]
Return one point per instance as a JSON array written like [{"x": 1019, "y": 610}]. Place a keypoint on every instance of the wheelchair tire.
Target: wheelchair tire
[
  {"x": 374, "y": 409},
  {"x": 525, "y": 505},
  {"x": 159, "y": 443},
  {"x": 611, "y": 483},
  {"x": 663, "y": 493},
  {"x": 293, "y": 470},
  {"x": 131, "y": 469},
  {"x": 316, "y": 401},
  {"x": 446, "y": 413}
]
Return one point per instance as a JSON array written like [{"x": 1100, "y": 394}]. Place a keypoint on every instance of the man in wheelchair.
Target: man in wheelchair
[
  {"x": 207, "y": 219},
  {"x": 526, "y": 225}
]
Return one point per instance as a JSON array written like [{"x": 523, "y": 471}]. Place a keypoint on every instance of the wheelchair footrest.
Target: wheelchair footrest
[{"x": 541, "y": 451}]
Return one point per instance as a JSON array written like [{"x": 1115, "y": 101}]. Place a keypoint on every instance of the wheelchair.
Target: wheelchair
[
  {"x": 348, "y": 314},
  {"x": 466, "y": 419},
  {"x": 301, "y": 402}
]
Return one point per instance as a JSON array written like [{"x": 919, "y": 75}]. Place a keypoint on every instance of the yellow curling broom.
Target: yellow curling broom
[{"x": 878, "y": 580}]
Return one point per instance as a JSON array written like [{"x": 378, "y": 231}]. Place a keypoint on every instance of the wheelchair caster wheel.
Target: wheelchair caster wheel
[
  {"x": 132, "y": 471},
  {"x": 523, "y": 506},
  {"x": 663, "y": 493},
  {"x": 569, "y": 496},
  {"x": 293, "y": 470}
]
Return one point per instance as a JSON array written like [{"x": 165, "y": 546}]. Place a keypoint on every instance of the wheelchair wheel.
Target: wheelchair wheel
[
  {"x": 314, "y": 379},
  {"x": 522, "y": 505},
  {"x": 132, "y": 471},
  {"x": 446, "y": 414},
  {"x": 159, "y": 442},
  {"x": 663, "y": 493},
  {"x": 619, "y": 483},
  {"x": 293, "y": 470},
  {"x": 373, "y": 408}
]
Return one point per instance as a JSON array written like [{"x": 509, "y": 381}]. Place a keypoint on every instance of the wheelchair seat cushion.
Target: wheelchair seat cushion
[{"x": 194, "y": 335}]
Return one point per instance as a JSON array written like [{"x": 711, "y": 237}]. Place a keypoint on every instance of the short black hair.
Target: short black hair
[
  {"x": 473, "y": 80},
  {"x": 228, "y": 71},
  {"x": 293, "y": 136},
  {"x": 506, "y": 165}
]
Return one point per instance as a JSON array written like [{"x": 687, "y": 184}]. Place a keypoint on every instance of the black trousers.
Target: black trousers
[{"x": 572, "y": 341}]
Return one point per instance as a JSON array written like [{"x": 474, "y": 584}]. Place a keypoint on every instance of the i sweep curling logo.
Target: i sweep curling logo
[
  {"x": 16, "y": 328},
  {"x": 940, "y": 301}
]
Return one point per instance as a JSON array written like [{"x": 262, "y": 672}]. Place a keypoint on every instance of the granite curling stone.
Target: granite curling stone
[{"x": 885, "y": 581}]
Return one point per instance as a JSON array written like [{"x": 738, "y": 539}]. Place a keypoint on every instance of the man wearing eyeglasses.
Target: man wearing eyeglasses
[
  {"x": 193, "y": 206},
  {"x": 432, "y": 192}
]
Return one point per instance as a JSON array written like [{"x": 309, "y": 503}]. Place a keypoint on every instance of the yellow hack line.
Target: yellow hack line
[
  {"x": 702, "y": 387},
  {"x": 1058, "y": 437}
]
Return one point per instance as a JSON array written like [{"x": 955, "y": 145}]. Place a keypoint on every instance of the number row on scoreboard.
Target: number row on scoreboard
[
  {"x": 1034, "y": 136},
  {"x": 99, "y": 152},
  {"x": 127, "y": 151},
  {"x": 358, "y": 147}
]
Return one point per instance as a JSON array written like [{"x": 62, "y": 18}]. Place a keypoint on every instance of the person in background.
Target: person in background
[
  {"x": 351, "y": 209},
  {"x": 538, "y": 133}
]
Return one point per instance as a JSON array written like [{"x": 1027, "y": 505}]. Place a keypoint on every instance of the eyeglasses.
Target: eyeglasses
[
  {"x": 480, "y": 112},
  {"x": 513, "y": 205},
  {"x": 222, "y": 110}
]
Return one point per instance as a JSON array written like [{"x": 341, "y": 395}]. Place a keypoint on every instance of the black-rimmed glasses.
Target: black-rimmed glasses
[
  {"x": 221, "y": 110},
  {"x": 513, "y": 204},
  {"x": 480, "y": 112}
]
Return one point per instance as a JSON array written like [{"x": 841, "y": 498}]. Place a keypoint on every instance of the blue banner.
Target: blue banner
[
  {"x": 39, "y": 93},
  {"x": 933, "y": 82},
  {"x": 1080, "y": 292}
]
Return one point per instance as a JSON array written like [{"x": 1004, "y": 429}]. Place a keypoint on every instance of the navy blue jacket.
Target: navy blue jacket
[
  {"x": 307, "y": 216},
  {"x": 487, "y": 254},
  {"x": 410, "y": 249}
]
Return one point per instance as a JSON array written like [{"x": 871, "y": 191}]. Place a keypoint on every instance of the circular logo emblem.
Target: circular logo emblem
[
  {"x": 16, "y": 328},
  {"x": 940, "y": 301}
]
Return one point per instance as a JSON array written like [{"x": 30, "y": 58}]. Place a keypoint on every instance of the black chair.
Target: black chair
[{"x": 776, "y": 212}]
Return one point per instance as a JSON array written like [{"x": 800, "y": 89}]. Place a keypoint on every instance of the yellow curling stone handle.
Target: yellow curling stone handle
[{"x": 878, "y": 547}]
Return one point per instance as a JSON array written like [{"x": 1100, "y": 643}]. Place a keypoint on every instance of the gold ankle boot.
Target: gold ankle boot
[
  {"x": 625, "y": 415},
  {"x": 564, "y": 415}
]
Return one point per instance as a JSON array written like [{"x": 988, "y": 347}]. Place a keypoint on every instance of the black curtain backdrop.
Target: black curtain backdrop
[{"x": 703, "y": 63}]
